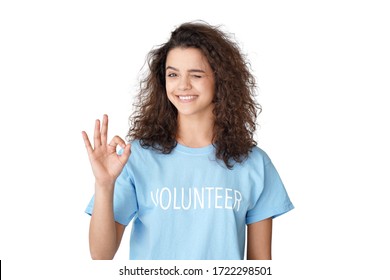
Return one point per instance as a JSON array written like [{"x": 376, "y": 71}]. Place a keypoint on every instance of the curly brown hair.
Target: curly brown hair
[{"x": 154, "y": 121}]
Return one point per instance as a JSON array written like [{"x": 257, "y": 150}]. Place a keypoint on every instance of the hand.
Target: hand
[{"x": 106, "y": 163}]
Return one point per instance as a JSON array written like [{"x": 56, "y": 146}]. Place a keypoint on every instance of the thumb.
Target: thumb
[{"x": 126, "y": 153}]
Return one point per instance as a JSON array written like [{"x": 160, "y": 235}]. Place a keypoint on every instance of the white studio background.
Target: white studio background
[{"x": 323, "y": 74}]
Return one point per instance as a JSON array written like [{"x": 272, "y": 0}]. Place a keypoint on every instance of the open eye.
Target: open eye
[{"x": 171, "y": 75}]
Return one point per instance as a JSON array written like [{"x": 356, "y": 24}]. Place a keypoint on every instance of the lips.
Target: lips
[{"x": 187, "y": 98}]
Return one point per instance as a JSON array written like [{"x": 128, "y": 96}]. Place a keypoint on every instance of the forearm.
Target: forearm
[
  {"x": 103, "y": 241},
  {"x": 259, "y": 240}
]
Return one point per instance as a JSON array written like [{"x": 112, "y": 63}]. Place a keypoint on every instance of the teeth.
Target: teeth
[{"x": 187, "y": 97}]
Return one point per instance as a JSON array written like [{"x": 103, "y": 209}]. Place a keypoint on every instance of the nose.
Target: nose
[{"x": 184, "y": 83}]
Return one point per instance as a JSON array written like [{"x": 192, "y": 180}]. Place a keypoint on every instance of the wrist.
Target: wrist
[{"x": 104, "y": 186}]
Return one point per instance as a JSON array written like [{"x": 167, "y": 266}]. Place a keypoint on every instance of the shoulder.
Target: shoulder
[
  {"x": 140, "y": 152},
  {"x": 136, "y": 146},
  {"x": 258, "y": 155},
  {"x": 256, "y": 160}
]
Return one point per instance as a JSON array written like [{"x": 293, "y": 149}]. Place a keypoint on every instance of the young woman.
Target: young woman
[{"x": 193, "y": 179}]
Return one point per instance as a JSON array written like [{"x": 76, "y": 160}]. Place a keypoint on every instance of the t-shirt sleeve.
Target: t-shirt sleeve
[
  {"x": 125, "y": 202},
  {"x": 273, "y": 200}
]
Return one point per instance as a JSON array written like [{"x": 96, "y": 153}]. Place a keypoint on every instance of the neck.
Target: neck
[{"x": 194, "y": 131}]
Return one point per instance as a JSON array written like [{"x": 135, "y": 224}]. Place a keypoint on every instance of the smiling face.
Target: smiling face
[{"x": 189, "y": 82}]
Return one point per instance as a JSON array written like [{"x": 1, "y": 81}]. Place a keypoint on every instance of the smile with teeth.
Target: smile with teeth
[{"x": 187, "y": 97}]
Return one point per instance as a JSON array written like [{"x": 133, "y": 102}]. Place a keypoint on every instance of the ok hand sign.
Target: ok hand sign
[{"x": 106, "y": 163}]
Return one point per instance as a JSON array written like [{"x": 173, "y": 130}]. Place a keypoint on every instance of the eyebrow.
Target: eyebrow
[{"x": 191, "y": 70}]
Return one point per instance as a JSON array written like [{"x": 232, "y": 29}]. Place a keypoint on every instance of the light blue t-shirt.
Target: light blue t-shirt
[{"x": 189, "y": 205}]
